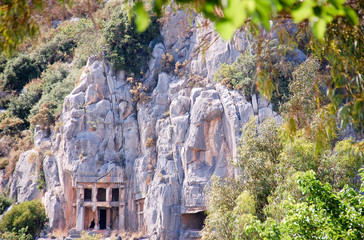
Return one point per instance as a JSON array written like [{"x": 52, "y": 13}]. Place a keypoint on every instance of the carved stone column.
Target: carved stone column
[
  {"x": 79, "y": 210},
  {"x": 108, "y": 216}
]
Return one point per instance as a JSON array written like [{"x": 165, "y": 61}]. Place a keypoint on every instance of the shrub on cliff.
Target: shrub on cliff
[
  {"x": 18, "y": 72},
  {"x": 59, "y": 81},
  {"x": 28, "y": 215},
  {"x": 240, "y": 75},
  {"x": 5, "y": 202},
  {"x": 267, "y": 61},
  {"x": 20, "y": 106},
  {"x": 58, "y": 49},
  {"x": 126, "y": 48}
]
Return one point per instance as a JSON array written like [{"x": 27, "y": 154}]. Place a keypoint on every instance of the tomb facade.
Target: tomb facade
[{"x": 99, "y": 202}]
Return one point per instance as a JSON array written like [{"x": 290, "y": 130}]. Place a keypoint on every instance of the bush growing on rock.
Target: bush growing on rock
[
  {"x": 5, "y": 202},
  {"x": 239, "y": 75},
  {"x": 28, "y": 215},
  {"x": 44, "y": 118},
  {"x": 268, "y": 61},
  {"x": 21, "y": 105},
  {"x": 18, "y": 72},
  {"x": 58, "y": 81},
  {"x": 58, "y": 49},
  {"x": 10, "y": 125},
  {"x": 126, "y": 48}
]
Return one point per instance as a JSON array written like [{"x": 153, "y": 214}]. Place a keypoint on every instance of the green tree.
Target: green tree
[
  {"x": 18, "y": 72},
  {"x": 22, "y": 235},
  {"x": 5, "y": 202},
  {"x": 17, "y": 22},
  {"x": 257, "y": 205},
  {"x": 222, "y": 195},
  {"x": 20, "y": 106},
  {"x": 28, "y": 215},
  {"x": 259, "y": 151},
  {"x": 322, "y": 214},
  {"x": 127, "y": 49}
]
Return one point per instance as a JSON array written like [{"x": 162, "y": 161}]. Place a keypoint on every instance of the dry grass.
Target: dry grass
[
  {"x": 58, "y": 125},
  {"x": 132, "y": 235},
  {"x": 3, "y": 163},
  {"x": 33, "y": 157},
  {"x": 5, "y": 147},
  {"x": 18, "y": 145},
  {"x": 149, "y": 142},
  {"x": 60, "y": 233},
  {"x": 148, "y": 180},
  {"x": 48, "y": 153}
]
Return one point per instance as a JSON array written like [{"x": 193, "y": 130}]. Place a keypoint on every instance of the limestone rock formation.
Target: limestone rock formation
[
  {"x": 25, "y": 177},
  {"x": 118, "y": 164}
]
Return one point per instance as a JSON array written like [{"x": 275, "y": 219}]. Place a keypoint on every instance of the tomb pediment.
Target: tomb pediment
[{"x": 114, "y": 175}]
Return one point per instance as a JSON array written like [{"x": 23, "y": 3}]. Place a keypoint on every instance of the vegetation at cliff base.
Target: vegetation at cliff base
[
  {"x": 25, "y": 218},
  {"x": 288, "y": 190}
]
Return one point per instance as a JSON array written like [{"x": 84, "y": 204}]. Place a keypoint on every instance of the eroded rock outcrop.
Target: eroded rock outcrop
[{"x": 154, "y": 158}]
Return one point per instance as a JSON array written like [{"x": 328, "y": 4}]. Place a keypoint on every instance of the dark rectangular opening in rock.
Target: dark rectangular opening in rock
[
  {"x": 102, "y": 218},
  {"x": 87, "y": 194},
  {"x": 101, "y": 195},
  {"x": 115, "y": 195},
  {"x": 193, "y": 221}
]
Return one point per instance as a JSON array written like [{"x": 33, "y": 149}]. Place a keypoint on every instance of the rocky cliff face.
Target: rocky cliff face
[{"x": 165, "y": 149}]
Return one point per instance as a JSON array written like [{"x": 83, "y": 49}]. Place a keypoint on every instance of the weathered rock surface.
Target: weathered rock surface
[
  {"x": 166, "y": 148},
  {"x": 24, "y": 179}
]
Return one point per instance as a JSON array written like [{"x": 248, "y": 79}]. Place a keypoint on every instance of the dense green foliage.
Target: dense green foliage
[
  {"x": 54, "y": 85},
  {"x": 259, "y": 157},
  {"x": 18, "y": 72},
  {"x": 322, "y": 213},
  {"x": 287, "y": 189},
  {"x": 22, "y": 235},
  {"x": 20, "y": 106},
  {"x": 58, "y": 82},
  {"x": 5, "y": 202},
  {"x": 301, "y": 106},
  {"x": 60, "y": 48},
  {"x": 240, "y": 75},
  {"x": 127, "y": 49},
  {"x": 28, "y": 215},
  {"x": 17, "y": 22}
]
